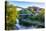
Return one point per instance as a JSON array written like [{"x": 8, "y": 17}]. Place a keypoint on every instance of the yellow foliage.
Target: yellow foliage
[{"x": 10, "y": 16}]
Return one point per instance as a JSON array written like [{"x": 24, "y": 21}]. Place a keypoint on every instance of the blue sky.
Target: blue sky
[
  {"x": 29, "y": 0},
  {"x": 26, "y": 4}
]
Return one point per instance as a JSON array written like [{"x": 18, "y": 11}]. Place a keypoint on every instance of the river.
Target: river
[{"x": 21, "y": 27}]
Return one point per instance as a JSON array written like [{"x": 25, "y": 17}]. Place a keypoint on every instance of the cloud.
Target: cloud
[
  {"x": 29, "y": 0},
  {"x": 32, "y": 4}
]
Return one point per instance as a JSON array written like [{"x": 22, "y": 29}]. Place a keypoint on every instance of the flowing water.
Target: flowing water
[
  {"x": 21, "y": 27},
  {"x": 18, "y": 26}
]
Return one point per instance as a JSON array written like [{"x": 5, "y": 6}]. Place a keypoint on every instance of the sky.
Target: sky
[
  {"x": 29, "y": 0},
  {"x": 26, "y": 3}
]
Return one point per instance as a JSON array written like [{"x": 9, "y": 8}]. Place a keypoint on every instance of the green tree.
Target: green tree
[
  {"x": 10, "y": 15},
  {"x": 41, "y": 15}
]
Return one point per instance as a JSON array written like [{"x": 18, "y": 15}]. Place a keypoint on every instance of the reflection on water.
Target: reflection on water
[{"x": 20, "y": 27}]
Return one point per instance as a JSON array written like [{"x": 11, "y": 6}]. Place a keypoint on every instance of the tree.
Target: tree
[
  {"x": 41, "y": 15},
  {"x": 10, "y": 16}
]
